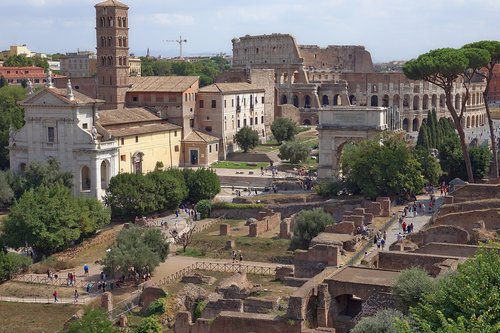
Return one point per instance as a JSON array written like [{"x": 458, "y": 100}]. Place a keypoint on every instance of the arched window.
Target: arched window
[
  {"x": 352, "y": 100},
  {"x": 416, "y": 102},
  {"x": 415, "y": 125},
  {"x": 284, "y": 100},
  {"x": 105, "y": 166},
  {"x": 137, "y": 162},
  {"x": 406, "y": 124},
  {"x": 124, "y": 22},
  {"x": 325, "y": 100},
  {"x": 336, "y": 100},
  {"x": 85, "y": 178},
  {"x": 385, "y": 101},
  {"x": 307, "y": 101},
  {"x": 425, "y": 102},
  {"x": 374, "y": 100},
  {"x": 296, "y": 101}
]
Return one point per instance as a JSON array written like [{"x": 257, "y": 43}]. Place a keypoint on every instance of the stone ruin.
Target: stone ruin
[
  {"x": 198, "y": 278},
  {"x": 265, "y": 221}
]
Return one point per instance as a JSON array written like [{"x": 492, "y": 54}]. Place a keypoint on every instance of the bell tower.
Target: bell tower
[{"x": 112, "y": 53}]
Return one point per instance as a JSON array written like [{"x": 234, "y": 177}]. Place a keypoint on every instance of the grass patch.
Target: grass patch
[
  {"x": 31, "y": 318},
  {"x": 232, "y": 205},
  {"x": 238, "y": 165},
  {"x": 52, "y": 263},
  {"x": 191, "y": 252}
]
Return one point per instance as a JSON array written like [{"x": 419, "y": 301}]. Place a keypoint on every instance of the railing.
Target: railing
[
  {"x": 216, "y": 267},
  {"x": 126, "y": 305},
  {"x": 46, "y": 300}
]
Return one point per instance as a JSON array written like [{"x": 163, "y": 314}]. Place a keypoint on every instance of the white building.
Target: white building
[{"x": 61, "y": 124}]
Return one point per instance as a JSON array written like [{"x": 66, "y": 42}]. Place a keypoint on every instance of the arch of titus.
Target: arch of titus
[{"x": 339, "y": 125}]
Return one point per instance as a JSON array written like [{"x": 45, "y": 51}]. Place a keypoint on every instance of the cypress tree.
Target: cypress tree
[
  {"x": 430, "y": 131},
  {"x": 423, "y": 137},
  {"x": 435, "y": 129}
]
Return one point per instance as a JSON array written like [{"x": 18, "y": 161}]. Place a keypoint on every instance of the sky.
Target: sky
[{"x": 389, "y": 29}]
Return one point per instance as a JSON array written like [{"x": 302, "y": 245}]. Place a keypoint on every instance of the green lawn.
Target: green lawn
[{"x": 238, "y": 165}]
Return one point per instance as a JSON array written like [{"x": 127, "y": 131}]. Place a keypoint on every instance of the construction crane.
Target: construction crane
[{"x": 180, "y": 41}]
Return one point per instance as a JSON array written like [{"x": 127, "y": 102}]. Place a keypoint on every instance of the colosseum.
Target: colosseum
[{"x": 308, "y": 77}]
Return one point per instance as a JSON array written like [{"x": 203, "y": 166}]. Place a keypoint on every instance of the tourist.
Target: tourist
[
  {"x": 55, "y": 296},
  {"x": 404, "y": 227},
  {"x": 411, "y": 227},
  {"x": 69, "y": 279},
  {"x": 400, "y": 237},
  {"x": 379, "y": 243},
  {"x": 86, "y": 269},
  {"x": 382, "y": 243},
  {"x": 76, "y": 295},
  {"x": 241, "y": 258},
  {"x": 385, "y": 235}
]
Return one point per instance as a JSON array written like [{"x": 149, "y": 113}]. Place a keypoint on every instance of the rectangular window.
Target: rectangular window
[
  {"x": 232, "y": 103},
  {"x": 85, "y": 125},
  {"x": 244, "y": 122},
  {"x": 123, "y": 158},
  {"x": 51, "y": 134},
  {"x": 216, "y": 147},
  {"x": 201, "y": 104},
  {"x": 225, "y": 104},
  {"x": 122, "y": 141},
  {"x": 209, "y": 148},
  {"x": 262, "y": 100},
  {"x": 176, "y": 148},
  {"x": 175, "y": 133},
  {"x": 191, "y": 123},
  {"x": 238, "y": 123},
  {"x": 251, "y": 121},
  {"x": 136, "y": 139},
  {"x": 214, "y": 104}
]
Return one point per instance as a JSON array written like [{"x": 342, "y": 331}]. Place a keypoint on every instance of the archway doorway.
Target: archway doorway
[
  {"x": 137, "y": 162},
  {"x": 105, "y": 166}
]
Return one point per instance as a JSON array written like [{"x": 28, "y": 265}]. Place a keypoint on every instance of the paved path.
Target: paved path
[
  {"x": 418, "y": 223},
  {"x": 47, "y": 300}
]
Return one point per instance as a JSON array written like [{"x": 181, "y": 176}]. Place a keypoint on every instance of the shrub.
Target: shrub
[
  {"x": 11, "y": 264},
  {"x": 158, "y": 307},
  {"x": 204, "y": 207},
  {"x": 233, "y": 205},
  {"x": 294, "y": 151},
  {"x": 149, "y": 324},
  {"x": 328, "y": 188},
  {"x": 199, "y": 307},
  {"x": 384, "y": 321},
  {"x": 410, "y": 286},
  {"x": 308, "y": 224},
  {"x": 52, "y": 263}
]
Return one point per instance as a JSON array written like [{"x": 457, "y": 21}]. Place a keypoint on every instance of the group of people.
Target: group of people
[
  {"x": 71, "y": 279},
  {"x": 380, "y": 239},
  {"x": 237, "y": 255}
]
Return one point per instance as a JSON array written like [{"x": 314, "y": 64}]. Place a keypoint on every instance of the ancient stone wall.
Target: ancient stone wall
[
  {"x": 473, "y": 192},
  {"x": 375, "y": 303},
  {"x": 346, "y": 58},
  {"x": 468, "y": 206},
  {"x": 230, "y": 322},
  {"x": 311, "y": 262},
  {"x": 403, "y": 260},
  {"x": 265, "y": 223},
  {"x": 259, "y": 305},
  {"x": 288, "y": 111},
  {"x": 440, "y": 234},
  {"x": 469, "y": 220},
  {"x": 215, "y": 307},
  {"x": 445, "y": 249}
]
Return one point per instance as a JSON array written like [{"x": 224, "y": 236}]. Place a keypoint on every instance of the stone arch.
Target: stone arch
[
  {"x": 307, "y": 101},
  {"x": 374, "y": 100},
  {"x": 416, "y": 102},
  {"x": 348, "y": 305},
  {"x": 352, "y": 100},
  {"x": 325, "y": 100},
  {"x": 295, "y": 100},
  {"x": 105, "y": 174},
  {"x": 295, "y": 77},
  {"x": 406, "y": 125},
  {"x": 425, "y": 102},
  {"x": 468, "y": 122},
  {"x": 385, "y": 101},
  {"x": 306, "y": 122},
  {"x": 284, "y": 78},
  {"x": 137, "y": 159},
  {"x": 336, "y": 100},
  {"x": 85, "y": 181},
  {"x": 284, "y": 99},
  {"x": 477, "y": 121},
  {"x": 406, "y": 101},
  {"x": 395, "y": 100},
  {"x": 434, "y": 101},
  {"x": 415, "y": 126},
  {"x": 22, "y": 167}
]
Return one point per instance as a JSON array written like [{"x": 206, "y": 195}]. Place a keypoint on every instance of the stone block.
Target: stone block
[
  {"x": 257, "y": 305},
  {"x": 123, "y": 321},
  {"x": 197, "y": 278},
  {"x": 385, "y": 203},
  {"x": 368, "y": 218},
  {"x": 448, "y": 199},
  {"x": 107, "y": 302},
  {"x": 230, "y": 244},
  {"x": 224, "y": 229},
  {"x": 253, "y": 230},
  {"x": 359, "y": 211},
  {"x": 283, "y": 271},
  {"x": 151, "y": 294},
  {"x": 341, "y": 228},
  {"x": 357, "y": 219}
]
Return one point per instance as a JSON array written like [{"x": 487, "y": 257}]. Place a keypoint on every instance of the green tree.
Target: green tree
[
  {"x": 294, "y": 151},
  {"x": 431, "y": 130},
  {"x": 11, "y": 117},
  {"x": 247, "y": 138},
  {"x": 493, "y": 48},
  {"x": 384, "y": 166},
  {"x": 50, "y": 219},
  {"x": 384, "y": 321},
  {"x": 443, "y": 67},
  {"x": 309, "y": 224},
  {"x": 435, "y": 128},
  {"x": 11, "y": 264},
  {"x": 138, "y": 249},
  {"x": 202, "y": 184},
  {"x": 93, "y": 321},
  {"x": 37, "y": 174},
  {"x": 431, "y": 169},
  {"x": 3, "y": 82},
  {"x": 204, "y": 207},
  {"x": 466, "y": 298},
  {"x": 423, "y": 137},
  {"x": 6, "y": 193},
  {"x": 410, "y": 286},
  {"x": 169, "y": 190},
  {"x": 131, "y": 194},
  {"x": 93, "y": 215},
  {"x": 284, "y": 129},
  {"x": 480, "y": 157},
  {"x": 23, "y": 61},
  {"x": 149, "y": 324}
]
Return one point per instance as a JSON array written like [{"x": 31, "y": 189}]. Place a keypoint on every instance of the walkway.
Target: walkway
[{"x": 82, "y": 300}]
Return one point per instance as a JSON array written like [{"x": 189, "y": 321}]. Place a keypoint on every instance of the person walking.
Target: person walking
[
  {"x": 55, "y": 296},
  {"x": 76, "y": 295},
  {"x": 86, "y": 269}
]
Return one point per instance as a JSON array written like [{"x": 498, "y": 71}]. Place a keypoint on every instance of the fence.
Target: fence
[
  {"x": 126, "y": 305},
  {"x": 217, "y": 267},
  {"x": 46, "y": 300},
  {"x": 62, "y": 282}
]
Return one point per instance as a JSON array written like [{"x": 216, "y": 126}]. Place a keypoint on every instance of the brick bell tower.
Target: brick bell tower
[{"x": 112, "y": 53}]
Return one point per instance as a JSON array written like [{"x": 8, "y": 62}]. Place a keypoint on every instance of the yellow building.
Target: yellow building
[{"x": 144, "y": 140}]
